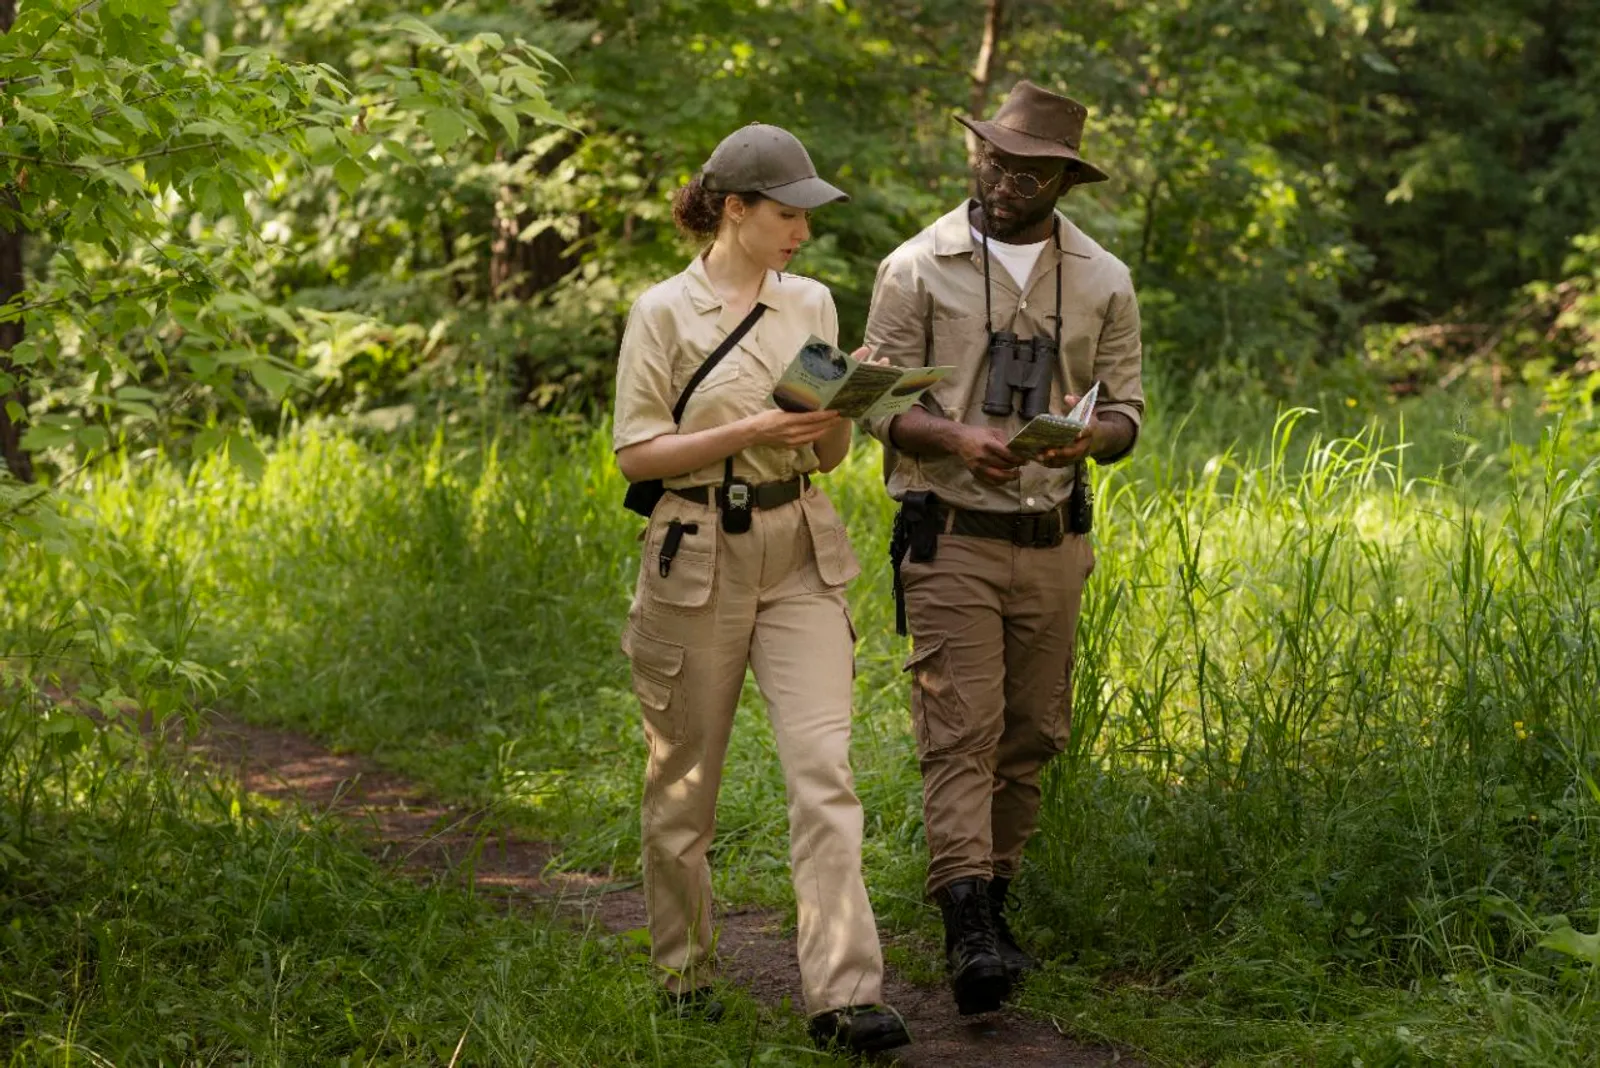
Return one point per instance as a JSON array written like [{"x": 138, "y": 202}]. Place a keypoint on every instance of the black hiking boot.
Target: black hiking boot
[
  {"x": 858, "y": 1029},
  {"x": 1017, "y": 960},
  {"x": 977, "y": 974},
  {"x": 700, "y": 1003}
]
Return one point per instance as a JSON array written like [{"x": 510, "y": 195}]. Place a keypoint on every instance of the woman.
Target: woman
[{"x": 745, "y": 563}]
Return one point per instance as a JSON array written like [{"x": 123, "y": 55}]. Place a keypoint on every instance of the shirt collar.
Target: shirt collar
[
  {"x": 952, "y": 235},
  {"x": 705, "y": 298}
]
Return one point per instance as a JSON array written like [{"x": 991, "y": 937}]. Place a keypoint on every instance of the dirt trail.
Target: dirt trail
[{"x": 413, "y": 832}]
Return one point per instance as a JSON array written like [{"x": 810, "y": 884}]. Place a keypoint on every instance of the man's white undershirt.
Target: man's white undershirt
[{"x": 1018, "y": 260}]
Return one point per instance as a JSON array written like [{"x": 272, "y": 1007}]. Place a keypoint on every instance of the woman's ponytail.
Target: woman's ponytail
[{"x": 697, "y": 210}]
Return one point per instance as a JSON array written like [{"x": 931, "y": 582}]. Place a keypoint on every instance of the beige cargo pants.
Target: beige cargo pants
[
  {"x": 993, "y": 627},
  {"x": 773, "y": 599}
]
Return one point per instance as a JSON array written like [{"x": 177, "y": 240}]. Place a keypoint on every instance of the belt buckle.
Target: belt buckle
[
  {"x": 1022, "y": 530},
  {"x": 1031, "y": 531}
]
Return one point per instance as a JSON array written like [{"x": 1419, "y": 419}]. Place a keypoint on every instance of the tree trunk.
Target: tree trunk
[
  {"x": 518, "y": 269},
  {"x": 983, "y": 69},
  {"x": 17, "y": 459}
]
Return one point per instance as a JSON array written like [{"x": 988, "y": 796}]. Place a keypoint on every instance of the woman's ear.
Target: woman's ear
[{"x": 733, "y": 208}]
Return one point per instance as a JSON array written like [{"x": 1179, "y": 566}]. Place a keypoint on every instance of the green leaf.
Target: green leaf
[
  {"x": 508, "y": 119},
  {"x": 348, "y": 173},
  {"x": 445, "y": 127},
  {"x": 138, "y": 408},
  {"x": 46, "y": 436},
  {"x": 417, "y": 28},
  {"x": 540, "y": 108},
  {"x": 209, "y": 440},
  {"x": 400, "y": 151},
  {"x": 322, "y": 145},
  {"x": 42, "y": 124},
  {"x": 272, "y": 378},
  {"x": 1573, "y": 943},
  {"x": 242, "y": 452}
]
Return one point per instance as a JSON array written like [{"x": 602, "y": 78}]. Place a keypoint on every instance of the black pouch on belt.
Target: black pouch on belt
[
  {"x": 1080, "y": 502},
  {"x": 916, "y": 535},
  {"x": 735, "y": 500},
  {"x": 924, "y": 523}
]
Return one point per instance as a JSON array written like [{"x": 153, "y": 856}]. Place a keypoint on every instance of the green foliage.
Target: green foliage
[
  {"x": 138, "y": 166},
  {"x": 372, "y": 205}
]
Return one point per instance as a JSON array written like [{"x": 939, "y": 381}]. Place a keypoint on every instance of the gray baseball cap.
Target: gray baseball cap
[{"x": 771, "y": 161}]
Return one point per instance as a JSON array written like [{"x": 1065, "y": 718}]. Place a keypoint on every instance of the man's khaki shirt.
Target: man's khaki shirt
[
  {"x": 671, "y": 330},
  {"x": 927, "y": 309}
]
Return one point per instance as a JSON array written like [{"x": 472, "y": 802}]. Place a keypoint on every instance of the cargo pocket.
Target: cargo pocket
[
  {"x": 1056, "y": 730},
  {"x": 658, "y": 683},
  {"x": 692, "y": 572},
  {"x": 836, "y": 561},
  {"x": 938, "y": 714}
]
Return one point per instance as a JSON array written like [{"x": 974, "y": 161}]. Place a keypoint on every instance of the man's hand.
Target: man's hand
[
  {"x": 984, "y": 452},
  {"x": 1088, "y": 443}
]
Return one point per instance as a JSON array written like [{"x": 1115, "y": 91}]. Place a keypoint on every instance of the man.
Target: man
[{"x": 998, "y": 554}]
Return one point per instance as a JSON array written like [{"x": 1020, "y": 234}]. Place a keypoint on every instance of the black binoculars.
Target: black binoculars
[{"x": 1023, "y": 365}]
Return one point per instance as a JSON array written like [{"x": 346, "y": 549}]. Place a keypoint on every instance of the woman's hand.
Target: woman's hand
[{"x": 789, "y": 430}]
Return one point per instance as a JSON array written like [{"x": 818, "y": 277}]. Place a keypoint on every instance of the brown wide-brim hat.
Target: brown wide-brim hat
[{"x": 1036, "y": 122}]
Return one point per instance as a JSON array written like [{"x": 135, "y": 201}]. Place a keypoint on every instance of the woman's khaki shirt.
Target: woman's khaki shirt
[{"x": 671, "y": 330}]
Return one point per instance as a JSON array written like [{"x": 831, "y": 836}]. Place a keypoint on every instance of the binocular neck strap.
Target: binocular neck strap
[
  {"x": 1055, "y": 237},
  {"x": 988, "y": 311},
  {"x": 988, "y": 303}
]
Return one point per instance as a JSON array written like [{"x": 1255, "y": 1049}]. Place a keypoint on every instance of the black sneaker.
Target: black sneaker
[
  {"x": 978, "y": 976},
  {"x": 699, "y": 1003},
  {"x": 1017, "y": 960},
  {"x": 858, "y": 1029}
]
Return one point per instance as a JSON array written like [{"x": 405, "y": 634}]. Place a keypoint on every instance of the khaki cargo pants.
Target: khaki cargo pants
[
  {"x": 993, "y": 627},
  {"x": 773, "y": 599}
]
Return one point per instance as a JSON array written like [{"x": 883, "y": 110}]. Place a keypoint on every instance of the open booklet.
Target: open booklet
[
  {"x": 824, "y": 377},
  {"x": 1049, "y": 431}
]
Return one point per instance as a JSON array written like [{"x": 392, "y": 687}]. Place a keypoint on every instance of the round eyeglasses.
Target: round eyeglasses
[{"x": 1025, "y": 185}]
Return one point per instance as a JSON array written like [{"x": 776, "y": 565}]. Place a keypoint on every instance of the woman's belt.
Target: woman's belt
[{"x": 765, "y": 495}]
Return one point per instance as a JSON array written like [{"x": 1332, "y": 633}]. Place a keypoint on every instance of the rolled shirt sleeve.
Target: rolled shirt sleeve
[
  {"x": 896, "y": 327},
  {"x": 1118, "y": 364},
  {"x": 644, "y": 401}
]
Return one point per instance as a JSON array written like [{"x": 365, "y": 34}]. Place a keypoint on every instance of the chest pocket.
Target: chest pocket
[
  {"x": 1080, "y": 337},
  {"x": 735, "y": 388},
  {"x": 725, "y": 375}
]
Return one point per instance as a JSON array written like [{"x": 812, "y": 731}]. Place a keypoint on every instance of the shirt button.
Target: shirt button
[{"x": 1029, "y": 502}]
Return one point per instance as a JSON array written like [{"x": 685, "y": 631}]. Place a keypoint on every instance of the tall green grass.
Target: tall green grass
[
  {"x": 1331, "y": 792},
  {"x": 1336, "y": 726}
]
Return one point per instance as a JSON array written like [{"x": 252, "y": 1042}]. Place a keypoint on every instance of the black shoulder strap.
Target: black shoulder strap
[{"x": 715, "y": 358}]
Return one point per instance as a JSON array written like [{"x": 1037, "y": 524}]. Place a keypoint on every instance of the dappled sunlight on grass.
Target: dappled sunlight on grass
[{"x": 1334, "y": 710}]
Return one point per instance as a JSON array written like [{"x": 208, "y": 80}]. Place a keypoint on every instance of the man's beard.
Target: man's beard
[{"x": 1033, "y": 213}]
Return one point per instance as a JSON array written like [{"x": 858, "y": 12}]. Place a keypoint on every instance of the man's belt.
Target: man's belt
[
  {"x": 766, "y": 495},
  {"x": 1033, "y": 530}
]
